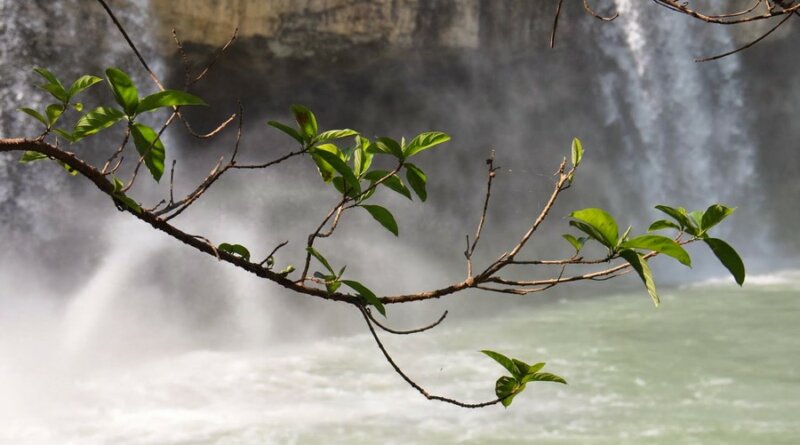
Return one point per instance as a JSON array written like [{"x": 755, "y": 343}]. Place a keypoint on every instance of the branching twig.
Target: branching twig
[
  {"x": 408, "y": 332},
  {"x": 408, "y": 379}
]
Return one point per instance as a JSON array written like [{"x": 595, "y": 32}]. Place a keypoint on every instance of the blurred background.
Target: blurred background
[{"x": 113, "y": 333}]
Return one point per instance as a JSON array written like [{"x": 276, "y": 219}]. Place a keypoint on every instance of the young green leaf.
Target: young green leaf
[
  {"x": 681, "y": 217},
  {"x": 389, "y": 146},
  {"x": 325, "y": 169},
  {"x": 36, "y": 115},
  {"x": 417, "y": 180},
  {"x": 660, "y": 244},
  {"x": 235, "y": 249},
  {"x": 321, "y": 259},
  {"x": 286, "y": 271},
  {"x": 168, "y": 98},
  {"x": 335, "y": 134},
  {"x": 48, "y": 76},
  {"x": 602, "y": 222},
  {"x": 150, "y": 148},
  {"x": 124, "y": 91},
  {"x": 306, "y": 121},
  {"x": 543, "y": 377},
  {"x": 504, "y": 362},
  {"x": 31, "y": 156},
  {"x": 728, "y": 257},
  {"x": 393, "y": 182},
  {"x": 577, "y": 152},
  {"x": 121, "y": 200},
  {"x": 288, "y": 130},
  {"x": 577, "y": 243},
  {"x": 506, "y": 388},
  {"x": 81, "y": 84},
  {"x": 366, "y": 294},
  {"x": 639, "y": 264},
  {"x": 341, "y": 167},
  {"x": 68, "y": 169},
  {"x": 425, "y": 141},
  {"x": 362, "y": 159},
  {"x": 384, "y": 217},
  {"x": 662, "y": 224},
  {"x": 64, "y": 134},
  {"x": 53, "y": 85},
  {"x": 714, "y": 215},
  {"x": 96, "y": 120},
  {"x": 54, "y": 111}
]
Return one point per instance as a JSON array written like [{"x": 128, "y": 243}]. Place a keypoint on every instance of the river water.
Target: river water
[{"x": 716, "y": 364}]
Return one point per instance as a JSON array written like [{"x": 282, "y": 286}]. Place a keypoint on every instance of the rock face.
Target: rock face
[{"x": 309, "y": 28}]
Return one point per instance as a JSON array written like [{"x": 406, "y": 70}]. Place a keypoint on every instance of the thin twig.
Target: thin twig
[
  {"x": 555, "y": 24},
  {"x": 742, "y": 48},
  {"x": 413, "y": 384},
  {"x": 408, "y": 332}
]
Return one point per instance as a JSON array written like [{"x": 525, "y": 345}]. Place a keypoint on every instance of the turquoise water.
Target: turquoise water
[{"x": 714, "y": 365}]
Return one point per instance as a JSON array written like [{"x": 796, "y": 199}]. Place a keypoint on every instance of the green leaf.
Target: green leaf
[
  {"x": 425, "y": 141},
  {"x": 78, "y": 106},
  {"x": 535, "y": 368},
  {"x": 168, "y": 98},
  {"x": 577, "y": 243},
  {"x": 624, "y": 236},
  {"x": 602, "y": 222},
  {"x": 48, "y": 76},
  {"x": 121, "y": 200},
  {"x": 366, "y": 294},
  {"x": 286, "y": 271},
  {"x": 124, "y": 91},
  {"x": 389, "y": 146},
  {"x": 54, "y": 111},
  {"x": 506, "y": 389},
  {"x": 321, "y": 259},
  {"x": 393, "y": 182},
  {"x": 36, "y": 115},
  {"x": 681, "y": 217},
  {"x": 288, "y": 130},
  {"x": 53, "y": 85},
  {"x": 32, "y": 156},
  {"x": 728, "y": 257},
  {"x": 504, "y": 362},
  {"x": 362, "y": 159},
  {"x": 96, "y": 120},
  {"x": 697, "y": 218},
  {"x": 714, "y": 215},
  {"x": 335, "y": 134},
  {"x": 341, "y": 167},
  {"x": 81, "y": 84},
  {"x": 69, "y": 169},
  {"x": 384, "y": 217},
  {"x": 235, "y": 249},
  {"x": 577, "y": 152},
  {"x": 56, "y": 91},
  {"x": 660, "y": 244},
  {"x": 306, "y": 121},
  {"x": 64, "y": 134},
  {"x": 150, "y": 148},
  {"x": 326, "y": 170},
  {"x": 543, "y": 377},
  {"x": 522, "y": 367},
  {"x": 417, "y": 180},
  {"x": 639, "y": 264},
  {"x": 662, "y": 224}
]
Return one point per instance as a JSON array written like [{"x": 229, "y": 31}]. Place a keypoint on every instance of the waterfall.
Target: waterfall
[{"x": 685, "y": 123}]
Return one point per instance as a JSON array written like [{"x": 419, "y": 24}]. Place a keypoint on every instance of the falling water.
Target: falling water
[{"x": 689, "y": 121}]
